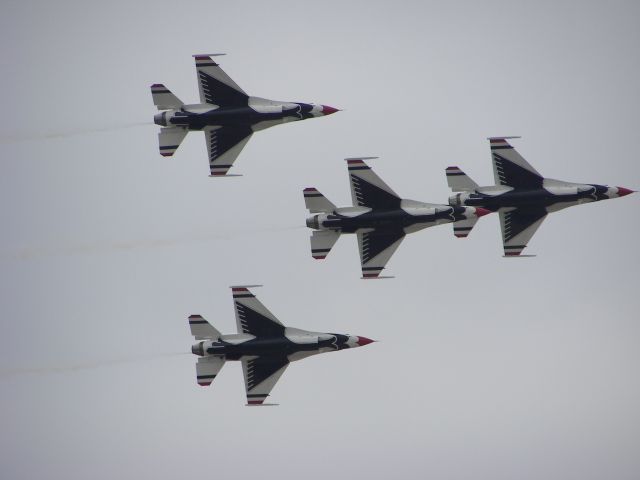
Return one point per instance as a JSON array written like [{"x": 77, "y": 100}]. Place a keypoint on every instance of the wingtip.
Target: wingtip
[
  {"x": 196, "y": 55},
  {"x": 491, "y": 139},
  {"x": 355, "y": 159}
]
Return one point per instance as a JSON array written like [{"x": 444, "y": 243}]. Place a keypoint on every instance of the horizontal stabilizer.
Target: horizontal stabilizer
[
  {"x": 321, "y": 243},
  {"x": 317, "y": 202},
  {"x": 163, "y": 98},
  {"x": 462, "y": 228},
  {"x": 459, "y": 181},
  {"x": 207, "y": 369},
  {"x": 201, "y": 329},
  {"x": 170, "y": 138}
]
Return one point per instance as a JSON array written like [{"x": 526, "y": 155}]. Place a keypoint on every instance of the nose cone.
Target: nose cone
[
  {"x": 624, "y": 191},
  {"x": 327, "y": 110},
  {"x": 362, "y": 341},
  {"x": 481, "y": 212}
]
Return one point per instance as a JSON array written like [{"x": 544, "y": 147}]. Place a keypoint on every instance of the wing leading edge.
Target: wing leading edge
[
  {"x": 252, "y": 317},
  {"x": 260, "y": 376},
  {"x": 368, "y": 189},
  {"x": 518, "y": 226},
  {"x": 376, "y": 249},
  {"x": 215, "y": 86},
  {"x": 510, "y": 168},
  {"x": 224, "y": 144}
]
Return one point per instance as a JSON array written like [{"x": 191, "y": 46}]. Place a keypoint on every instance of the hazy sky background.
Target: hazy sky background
[{"x": 487, "y": 368}]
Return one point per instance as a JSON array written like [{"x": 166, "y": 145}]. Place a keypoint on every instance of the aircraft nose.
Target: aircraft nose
[
  {"x": 327, "y": 110},
  {"x": 362, "y": 341},
  {"x": 624, "y": 191},
  {"x": 481, "y": 212}
]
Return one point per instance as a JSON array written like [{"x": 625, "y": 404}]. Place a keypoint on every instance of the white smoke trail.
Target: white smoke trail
[
  {"x": 40, "y": 252},
  {"x": 8, "y": 139},
  {"x": 45, "y": 370}
]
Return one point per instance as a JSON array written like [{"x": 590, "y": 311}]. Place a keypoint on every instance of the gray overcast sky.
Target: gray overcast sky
[{"x": 486, "y": 368}]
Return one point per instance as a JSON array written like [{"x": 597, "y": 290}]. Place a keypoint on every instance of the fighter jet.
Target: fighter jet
[
  {"x": 263, "y": 345},
  {"x": 522, "y": 196},
  {"x": 226, "y": 114},
  {"x": 379, "y": 218}
]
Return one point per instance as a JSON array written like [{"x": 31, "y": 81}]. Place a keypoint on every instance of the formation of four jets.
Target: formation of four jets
[{"x": 379, "y": 218}]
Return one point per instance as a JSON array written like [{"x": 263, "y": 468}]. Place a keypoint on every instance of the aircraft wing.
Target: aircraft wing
[
  {"x": 368, "y": 189},
  {"x": 376, "y": 249},
  {"x": 518, "y": 226},
  {"x": 252, "y": 316},
  {"x": 224, "y": 144},
  {"x": 216, "y": 87},
  {"x": 260, "y": 376},
  {"x": 510, "y": 168}
]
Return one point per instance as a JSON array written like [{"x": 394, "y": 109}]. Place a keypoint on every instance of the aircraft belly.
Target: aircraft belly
[
  {"x": 381, "y": 221},
  {"x": 266, "y": 347},
  {"x": 521, "y": 199}
]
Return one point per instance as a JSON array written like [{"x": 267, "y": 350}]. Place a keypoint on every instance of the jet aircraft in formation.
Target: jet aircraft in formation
[
  {"x": 522, "y": 196},
  {"x": 264, "y": 345},
  {"x": 379, "y": 217},
  {"x": 226, "y": 114}
]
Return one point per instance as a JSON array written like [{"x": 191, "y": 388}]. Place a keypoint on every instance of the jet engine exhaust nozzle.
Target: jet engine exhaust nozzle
[
  {"x": 198, "y": 349},
  {"x": 312, "y": 222},
  {"x": 160, "y": 119}
]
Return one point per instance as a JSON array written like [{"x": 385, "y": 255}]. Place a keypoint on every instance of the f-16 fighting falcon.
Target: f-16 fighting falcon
[
  {"x": 226, "y": 114},
  {"x": 379, "y": 217},
  {"x": 263, "y": 345},
  {"x": 521, "y": 195}
]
